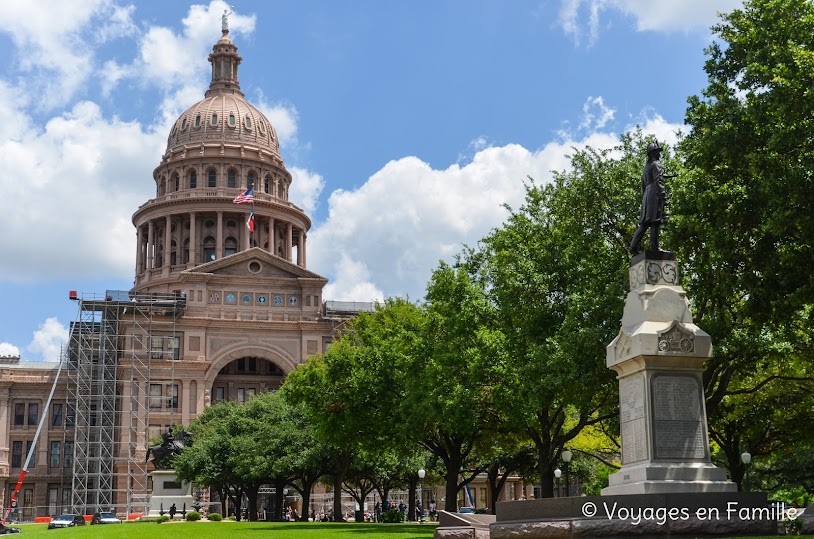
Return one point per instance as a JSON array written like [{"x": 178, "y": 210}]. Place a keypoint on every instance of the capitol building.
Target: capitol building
[{"x": 223, "y": 307}]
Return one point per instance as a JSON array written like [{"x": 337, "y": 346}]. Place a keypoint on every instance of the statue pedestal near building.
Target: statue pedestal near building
[
  {"x": 168, "y": 490},
  {"x": 659, "y": 356}
]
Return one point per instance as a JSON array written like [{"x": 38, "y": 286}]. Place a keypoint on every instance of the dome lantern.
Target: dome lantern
[{"x": 224, "y": 60}]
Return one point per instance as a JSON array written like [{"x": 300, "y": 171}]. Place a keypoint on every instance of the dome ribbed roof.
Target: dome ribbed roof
[
  {"x": 224, "y": 118},
  {"x": 223, "y": 115}
]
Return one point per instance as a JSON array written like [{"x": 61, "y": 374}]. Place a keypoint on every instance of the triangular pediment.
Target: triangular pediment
[{"x": 253, "y": 263}]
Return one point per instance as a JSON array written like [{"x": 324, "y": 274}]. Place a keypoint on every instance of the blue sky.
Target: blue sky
[{"x": 406, "y": 125}]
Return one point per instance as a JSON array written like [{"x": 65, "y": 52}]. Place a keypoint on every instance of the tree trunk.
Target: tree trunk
[
  {"x": 251, "y": 493},
  {"x": 339, "y": 478},
  {"x": 451, "y": 488},
  {"x": 546, "y": 477},
  {"x": 413, "y": 482},
  {"x": 279, "y": 499},
  {"x": 306, "y": 499}
]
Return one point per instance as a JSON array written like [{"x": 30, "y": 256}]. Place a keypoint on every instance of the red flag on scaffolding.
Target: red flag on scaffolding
[{"x": 250, "y": 222}]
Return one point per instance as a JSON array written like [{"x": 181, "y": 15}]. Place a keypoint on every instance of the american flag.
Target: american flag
[{"x": 245, "y": 198}]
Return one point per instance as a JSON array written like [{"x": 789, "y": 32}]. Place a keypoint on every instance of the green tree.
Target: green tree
[
  {"x": 557, "y": 274},
  {"x": 744, "y": 223}
]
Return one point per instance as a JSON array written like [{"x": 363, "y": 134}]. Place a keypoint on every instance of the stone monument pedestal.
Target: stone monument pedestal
[
  {"x": 659, "y": 357},
  {"x": 168, "y": 490}
]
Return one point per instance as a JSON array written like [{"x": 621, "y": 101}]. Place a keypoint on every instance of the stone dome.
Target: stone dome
[{"x": 224, "y": 118}]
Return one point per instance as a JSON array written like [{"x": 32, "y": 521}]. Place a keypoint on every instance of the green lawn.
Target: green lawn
[{"x": 241, "y": 530}]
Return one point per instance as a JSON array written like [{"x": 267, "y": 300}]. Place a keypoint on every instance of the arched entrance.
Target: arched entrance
[{"x": 244, "y": 377}]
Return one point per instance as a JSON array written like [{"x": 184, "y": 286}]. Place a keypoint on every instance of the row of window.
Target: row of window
[
  {"x": 211, "y": 182},
  {"x": 231, "y": 121},
  {"x": 59, "y": 454},
  {"x": 156, "y": 399},
  {"x": 243, "y": 394},
  {"x": 28, "y": 414}
]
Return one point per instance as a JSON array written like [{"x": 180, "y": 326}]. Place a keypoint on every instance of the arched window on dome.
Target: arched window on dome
[
  {"x": 176, "y": 182},
  {"x": 249, "y": 180},
  {"x": 183, "y": 124},
  {"x": 214, "y": 120},
  {"x": 231, "y": 179},
  {"x": 229, "y": 246},
  {"x": 261, "y": 125},
  {"x": 231, "y": 120},
  {"x": 162, "y": 185},
  {"x": 198, "y": 120},
  {"x": 193, "y": 179},
  {"x": 212, "y": 178},
  {"x": 266, "y": 183},
  {"x": 247, "y": 121},
  {"x": 209, "y": 249}
]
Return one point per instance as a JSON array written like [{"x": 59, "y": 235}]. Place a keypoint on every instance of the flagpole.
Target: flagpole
[{"x": 251, "y": 216}]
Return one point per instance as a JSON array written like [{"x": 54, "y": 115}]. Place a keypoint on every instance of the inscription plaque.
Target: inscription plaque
[
  {"x": 678, "y": 429},
  {"x": 631, "y": 414}
]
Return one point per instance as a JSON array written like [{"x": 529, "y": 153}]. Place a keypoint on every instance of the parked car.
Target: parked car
[
  {"x": 66, "y": 521},
  {"x": 105, "y": 518},
  {"x": 7, "y": 529}
]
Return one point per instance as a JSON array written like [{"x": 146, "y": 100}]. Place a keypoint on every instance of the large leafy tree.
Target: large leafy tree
[
  {"x": 745, "y": 218},
  {"x": 557, "y": 273}
]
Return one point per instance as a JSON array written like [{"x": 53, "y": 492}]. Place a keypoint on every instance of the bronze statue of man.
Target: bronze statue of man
[{"x": 654, "y": 196}]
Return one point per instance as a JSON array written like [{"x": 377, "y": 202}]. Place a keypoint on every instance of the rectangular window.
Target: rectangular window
[
  {"x": 53, "y": 501},
  {"x": 54, "y": 460},
  {"x": 17, "y": 454},
  {"x": 70, "y": 415},
  {"x": 28, "y": 504},
  {"x": 174, "y": 344},
  {"x": 251, "y": 392},
  {"x": 156, "y": 347},
  {"x": 56, "y": 415},
  {"x": 33, "y": 413},
  {"x": 241, "y": 394},
  {"x": 220, "y": 394},
  {"x": 67, "y": 458},
  {"x": 155, "y": 396},
  {"x": 252, "y": 364},
  {"x": 172, "y": 396},
  {"x": 66, "y": 499},
  {"x": 153, "y": 433},
  {"x": 28, "y": 445},
  {"x": 241, "y": 365},
  {"x": 19, "y": 414}
]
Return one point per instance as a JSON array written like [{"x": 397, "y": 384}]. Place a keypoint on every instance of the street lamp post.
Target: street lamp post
[
  {"x": 746, "y": 458},
  {"x": 558, "y": 474},
  {"x": 421, "y": 474},
  {"x": 566, "y": 458}
]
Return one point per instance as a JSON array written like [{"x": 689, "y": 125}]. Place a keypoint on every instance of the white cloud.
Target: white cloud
[
  {"x": 283, "y": 117},
  {"x": 8, "y": 349},
  {"x": 596, "y": 114},
  {"x": 389, "y": 234},
  {"x": 581, "y": 19},
  {"x": 49, "y": 339},
  {"x": 54, "y": 41},
  {"x": 306, "y": 187},
  {"x": 75, "y": 183}
]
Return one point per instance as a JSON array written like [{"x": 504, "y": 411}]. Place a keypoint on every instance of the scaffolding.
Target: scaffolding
[{"x": 112, "y": 343}]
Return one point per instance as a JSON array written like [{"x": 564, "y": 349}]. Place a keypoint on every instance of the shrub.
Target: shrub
[
  {"x": 162, "y": 519},
  {"x": 192, "y": 516},
  {"x": 393, "y": 516},
  {"x": 215, "y": 517}
]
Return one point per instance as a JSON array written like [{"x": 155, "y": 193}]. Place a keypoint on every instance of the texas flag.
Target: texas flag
[{"x": 250, "y": 223}]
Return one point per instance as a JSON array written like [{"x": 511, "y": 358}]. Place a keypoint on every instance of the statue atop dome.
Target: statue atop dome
[{"x": 224, "y": 21}]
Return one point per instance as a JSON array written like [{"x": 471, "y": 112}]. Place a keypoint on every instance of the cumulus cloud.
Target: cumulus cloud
[
  {"x": 80, "y": 177},
  {"x": 284, "y": 117},
  {"x": 581, "y": 20},
  {"x": 306, "y": 186},
  {"x": 55, "y": 38},
  {"x": 8, "y": 349},
  {"x": 388, "y": 235},
  {"x": 49, "y": 339}
]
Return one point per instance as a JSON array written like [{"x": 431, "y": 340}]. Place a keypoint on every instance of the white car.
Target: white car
[{"x": 105, "y": 518}]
